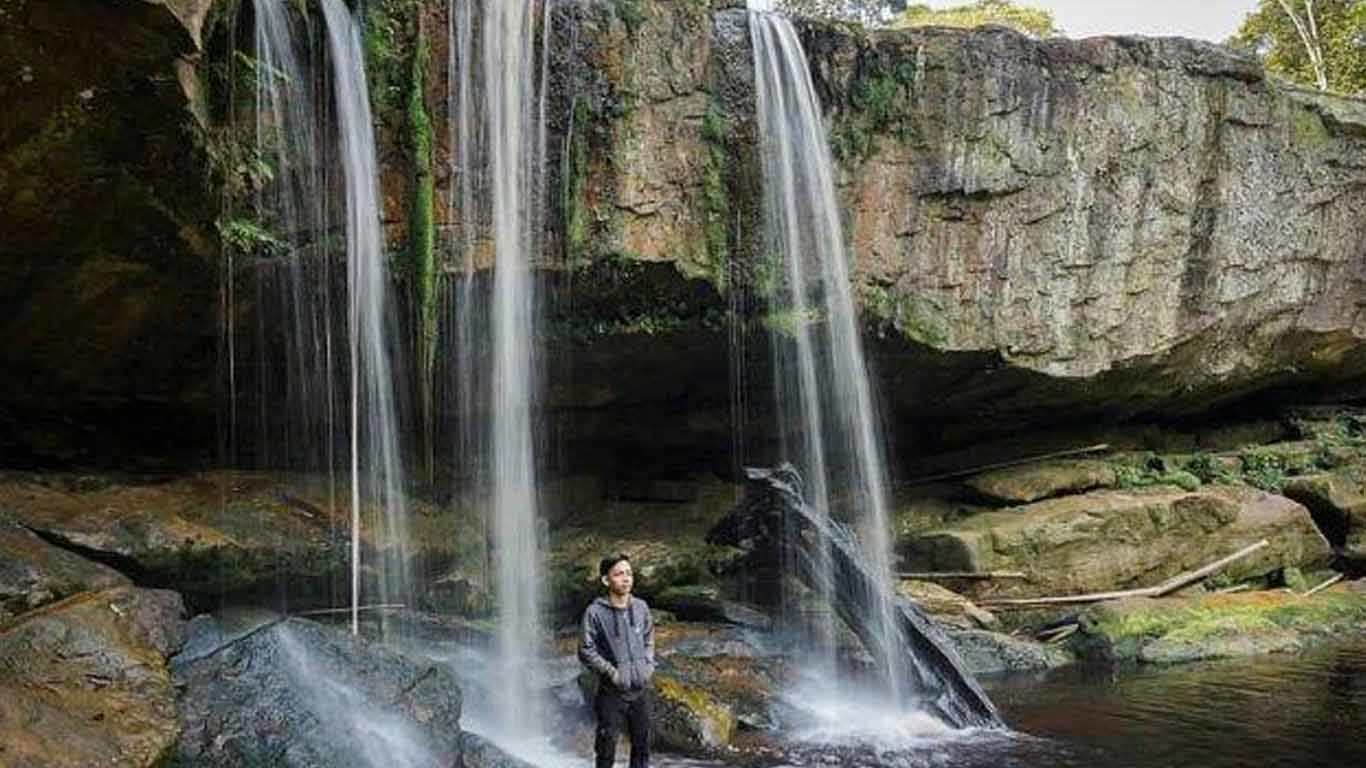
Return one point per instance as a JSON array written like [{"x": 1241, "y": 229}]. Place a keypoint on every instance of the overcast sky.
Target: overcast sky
[{"x": 1209, "y": 19}]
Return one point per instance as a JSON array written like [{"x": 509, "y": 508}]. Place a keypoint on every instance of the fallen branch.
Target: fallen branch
[
  {"x": 972, "y": 575},
  {"x": 1060, "y": 634},
  {"x": 1165, "y": 588},
  {"x": 1008, "y": 464},
  {"x": 1323, "y": 586},
  {"x": 334, "y": 611},
  {"x": 278, "y": 620}
]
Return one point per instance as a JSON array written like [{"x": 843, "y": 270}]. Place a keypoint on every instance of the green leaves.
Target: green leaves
[
  {"x": 1339, "y": 27},
  {"x": 1022, "y": 18}
]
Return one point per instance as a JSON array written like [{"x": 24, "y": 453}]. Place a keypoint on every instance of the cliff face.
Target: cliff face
[
  {"x": 1123, "y": 225},
  {"x": 1152, "y": 215},
  {"x": 1043, "y": 231},
  {"x": 108, "y": 259}
]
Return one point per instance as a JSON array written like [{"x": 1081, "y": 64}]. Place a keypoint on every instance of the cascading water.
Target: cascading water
[
  {"x": 821, "y": 379},
  {"x": 291, "y": 274},
  {"x": 498, "y": 139},
  {"x": 376, "y": 474}
]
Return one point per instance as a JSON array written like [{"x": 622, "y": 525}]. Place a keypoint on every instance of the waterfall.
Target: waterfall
[
  {"x": 291, "y": 278},
  {"x": 498, "y": 140},
  {"x": 825, "y": 405},
  {"x": 376, "y": 475}
]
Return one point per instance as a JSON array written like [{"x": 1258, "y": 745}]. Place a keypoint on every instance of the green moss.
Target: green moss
[
  {"x": 873, "y": 107},
  {"x": 421, "y": 224},
  {"x": 910, "y": 316},
  {"x": 1264, "y": 468},
  {"x": 248, "y": 238},
  {"x": 789, "y": 321},
  {"x": 716, "y": 199},
  {"x": 1131, "y": 476},
  {"x": 388, "y": 37},
  {"x": 1308, "y": 127},
  {"x": 573, "y": 204},
  {"x": 1211, "y": 618},
  {"x": 632, "y": 13},
  {"x": 1204, "y": 467}
]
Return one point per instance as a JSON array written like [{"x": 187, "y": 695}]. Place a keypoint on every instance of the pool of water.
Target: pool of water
[{"x": 1307, "y": 710}]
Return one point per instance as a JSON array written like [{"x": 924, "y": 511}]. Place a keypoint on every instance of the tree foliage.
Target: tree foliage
[
  {"x": 1320, "y": 43},
  {"x": 869, "y": 12},
  {"x": 1024, "y": 18}
]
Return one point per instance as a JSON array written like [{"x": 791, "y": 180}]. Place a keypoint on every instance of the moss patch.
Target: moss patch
[
  {"x": 1222, "y": 625},
  {"x": 880, "y": 88}
]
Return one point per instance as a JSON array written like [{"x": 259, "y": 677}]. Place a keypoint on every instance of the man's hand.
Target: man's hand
[{"x": 617, "y": 679}]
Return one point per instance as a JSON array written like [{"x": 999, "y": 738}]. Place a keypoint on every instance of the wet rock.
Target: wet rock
[
  {"x": 1021, "y": 485},
  {"x": 945, "y": 605},
  {"x": 211, "y": 535},
  {"x": 1171, "y": 630},
  {"x": 256, "y": 690},
  {"x": 993, "y": 653},
  {"x": 34, "y": 573},
  {"x": 84, "y": 681},
  {"x": 704, "y": 603},
  {"x": 1337, "y": 500},
  {"x": 689, "y": 719},
  {"x": 478, "y": 752},
  {"x": 1118, "y": 539},
  {"x": 666, "y": 542}
]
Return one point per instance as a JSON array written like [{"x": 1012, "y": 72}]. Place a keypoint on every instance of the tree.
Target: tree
[
  {"x": 870, "y": 12},
  {"x": 1024, "y": 18},
  {"x": 1316, "y": 42}
]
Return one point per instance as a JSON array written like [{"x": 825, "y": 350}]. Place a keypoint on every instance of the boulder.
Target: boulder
[
  {"x": 1118, "y": 539},
  {"x": 84, "y": 681},
  {"x": 1179, "y": 629},
  {"x": 994, "y": 653},
  {"x": 665, "y": 540},
  {"x": 704, "y": 603},
  {"x": 34, "y": 573},
  {"x": 1032, "y": 482},
  {"x": 261, "y": 690},
  {"x": 689, "y": 719},
  {"x": 945, "y": 605},
  {"x": 1337, "y": 500},
  {"x": 215, "y": 534}
]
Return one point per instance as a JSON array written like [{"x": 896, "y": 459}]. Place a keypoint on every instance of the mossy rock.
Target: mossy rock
[
  {"x": 84, "y": 681},
  {"x": 1118, "y": 539},
  {"x": 1170, "y": 630},
  {"x": 688, "y": 719},
  {"x": 1032, "y": 482},
  {"x": 34, "y": 573}
]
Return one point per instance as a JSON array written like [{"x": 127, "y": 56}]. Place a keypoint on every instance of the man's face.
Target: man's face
[{"x": 619, "y": 579}]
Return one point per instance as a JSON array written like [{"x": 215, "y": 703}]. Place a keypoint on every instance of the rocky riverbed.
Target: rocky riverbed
[{"x": 144, "y": 617}]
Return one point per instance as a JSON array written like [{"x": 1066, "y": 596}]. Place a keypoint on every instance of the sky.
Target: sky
[{"x": 1208, "y": 19}]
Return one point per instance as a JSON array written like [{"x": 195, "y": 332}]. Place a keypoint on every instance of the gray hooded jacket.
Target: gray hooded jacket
[{"x": 619, "y": 643}]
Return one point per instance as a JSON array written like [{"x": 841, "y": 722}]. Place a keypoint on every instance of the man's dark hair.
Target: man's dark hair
[{"x": 610, "y": 562}]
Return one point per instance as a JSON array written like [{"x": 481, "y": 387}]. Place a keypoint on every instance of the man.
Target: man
[{"x": 618, "y": 644}]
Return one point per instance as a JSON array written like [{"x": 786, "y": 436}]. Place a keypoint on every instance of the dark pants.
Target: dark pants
[{"x": 613, "y": 709}]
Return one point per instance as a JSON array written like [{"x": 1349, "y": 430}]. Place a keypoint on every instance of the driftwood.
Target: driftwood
[
  {"x": 773, "y": 520},
  {"x": 964, "y": 575},
  {"x": 1165, "y": 588},
  {"x": 1008, "y": 464},
  {"x": 279, "y": 619},
  {"x": 1324, "y": 585}
]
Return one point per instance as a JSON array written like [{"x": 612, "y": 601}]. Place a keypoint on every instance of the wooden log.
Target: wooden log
[
  {"x": 1008, "y": 464},
  {"x": 772, "y": 519},
  {"x": 1325, "y": 585},
  {"x": 965, "y": 575},
  {"x": 1165, "y": 588}
]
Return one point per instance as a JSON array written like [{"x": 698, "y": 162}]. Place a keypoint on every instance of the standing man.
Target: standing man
[{"x": 618, "y": 643}]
